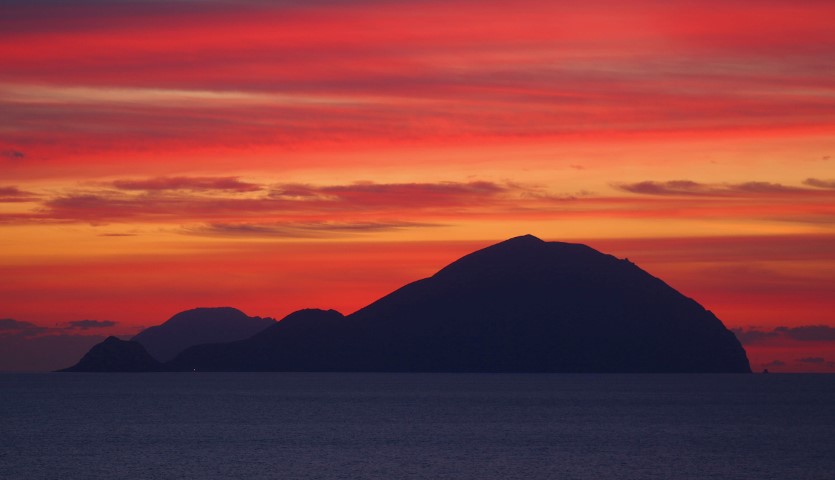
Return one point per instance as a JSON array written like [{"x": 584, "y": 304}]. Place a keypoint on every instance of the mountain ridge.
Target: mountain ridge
[
  {"x": 522, "y": 305},
  {"x": 198, "y": 326}
]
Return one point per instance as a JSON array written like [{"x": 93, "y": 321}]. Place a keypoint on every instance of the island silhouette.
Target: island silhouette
[
  {"x": 196, "y": 326},
  {"x": 522, "y": 305}
]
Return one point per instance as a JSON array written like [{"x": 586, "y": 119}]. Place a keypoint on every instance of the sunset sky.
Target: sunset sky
[{"x": 157, "y": 156}]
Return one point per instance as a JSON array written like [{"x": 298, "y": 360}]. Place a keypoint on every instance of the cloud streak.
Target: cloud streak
[
  {"x": 362, "y": 206},
  {"x": 301, "y": 230},
  {"x": 818, "y": 183},
  {"x": 284, "y": 73},
  {"x": 16, "y": 195},
  {"x": 89, "y": 324},
  {"x": 198, "y": 184},
  {"x": 9, "y": 326},
  {"x": 18, "y": 328},
  {"x": 817, "y": 360},
  {"x": 802, "y": 333},
  {"x": 230, "y": 206},
  {"x": 689, "y": 188},
  {"x": 13, "y": 155},
  {"x": 25, "y": 346}
]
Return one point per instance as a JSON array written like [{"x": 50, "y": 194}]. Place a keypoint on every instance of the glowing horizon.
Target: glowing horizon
[{"x": 159, "y": 156}]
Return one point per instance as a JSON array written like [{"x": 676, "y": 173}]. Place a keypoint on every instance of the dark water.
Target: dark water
[{"x": 392, "y": 426}]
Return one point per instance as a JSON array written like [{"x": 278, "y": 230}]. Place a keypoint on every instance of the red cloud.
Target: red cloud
[
  {"x": 187, "y": 183},
  {"x": 371, "y": 73},
  {"x": 360, "y": 206},
  {"x": 215, "y": 201},
  {"x": 16, "y": 195},
  {"x": 301, "y": 230}
]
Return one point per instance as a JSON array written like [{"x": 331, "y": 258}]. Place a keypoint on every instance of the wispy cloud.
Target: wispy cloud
[
  {"x": 279, "y": 209},
  {"x": 808, "y": 333},
  {"x": 12, "y": 327},
  {"x": 389, "y": 189},
  {"x": 399, "y": 195},
  {"x": 88, "y": 324},
  {"x": 300, "y": 230},
  {"x": 775, "y": 364},
  {"x": 13, "y": 155},
  {"x": 25, "y": 346},
  {"x": 818, "y": 183},
  {"x": 817, "y": 361},
  {"x": 11, "y": 194},
  {"x": 691, "y": 188},
  {"x": 283, "y": 72},
  {"x": 361, "y": 206},
  {"x": 9, "y": 326},
  {"x": 812, "y": 360},
  {"x": 802, "y": 333},
  {"x": 673, "y": 187},
  {"x": 229, "y": 184},
  {"x": 752, "y": 335}
]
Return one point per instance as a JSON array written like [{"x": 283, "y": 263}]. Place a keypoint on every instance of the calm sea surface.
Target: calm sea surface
[{"x": 436, "y": 426}]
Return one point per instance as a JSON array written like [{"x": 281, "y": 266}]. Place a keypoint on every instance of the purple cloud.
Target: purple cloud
[
  {"x": 813, "y": 360},
  {"x": 88, "y": 324},
  {"x": 802, "y": 333},
  {"x": 9, "y": 326},
  {"x": 691, "y": 188},
  {"x": 12, "y": 194}
]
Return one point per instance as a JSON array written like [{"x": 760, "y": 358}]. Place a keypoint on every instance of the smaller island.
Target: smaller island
[{"x": 115, "y": 355}]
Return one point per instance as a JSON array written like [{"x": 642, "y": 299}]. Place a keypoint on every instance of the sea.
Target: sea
[{"x": 416, "y": 426}]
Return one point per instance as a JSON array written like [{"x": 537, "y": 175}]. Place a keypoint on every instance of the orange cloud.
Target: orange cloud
[{"x": 818, "y": 183}]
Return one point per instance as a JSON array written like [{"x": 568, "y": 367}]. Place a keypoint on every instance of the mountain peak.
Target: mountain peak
[
  {"x": 115, "y": 355},
  {"x": 526, "y": 239},
  {"x": 517, "y": 244},
  {"x": 524, "y": 254}
]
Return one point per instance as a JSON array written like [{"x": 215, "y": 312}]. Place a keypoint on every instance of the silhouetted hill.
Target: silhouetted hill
[
  {"x": 310, "y": 339},
  {"x": 115, "y": 355},
  {"x": 199, "y": 326},
  {"x": 523, "y": 305}
]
